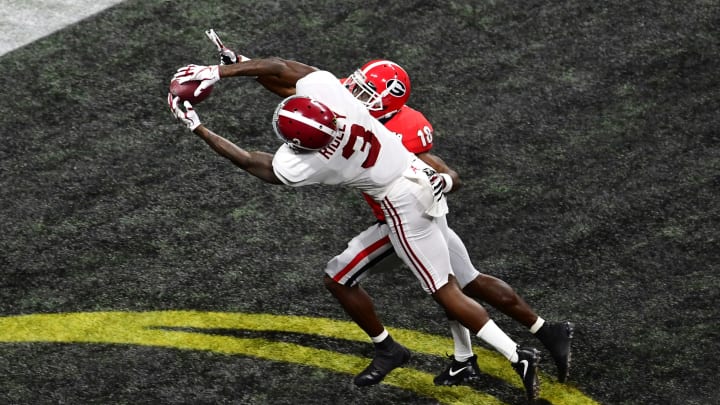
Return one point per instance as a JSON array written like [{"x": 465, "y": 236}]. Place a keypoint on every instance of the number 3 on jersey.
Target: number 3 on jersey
[{"x": 369, "y": 141}]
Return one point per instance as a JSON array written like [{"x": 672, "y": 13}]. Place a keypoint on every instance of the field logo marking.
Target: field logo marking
[{"x": 174, "y": 329}]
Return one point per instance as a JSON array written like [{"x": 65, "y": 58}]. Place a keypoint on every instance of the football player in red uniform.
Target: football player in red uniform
[{"x": 384, "y": 87}]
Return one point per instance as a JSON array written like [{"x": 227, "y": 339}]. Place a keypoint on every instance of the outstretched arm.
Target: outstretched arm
[
  {"x": 276, "y": 74},
  {"x": 259, "y": 164},
  {"x": 281, "y": 81}
]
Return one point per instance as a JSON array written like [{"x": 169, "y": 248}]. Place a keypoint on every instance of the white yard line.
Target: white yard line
[{"x": 24, "y": 21}]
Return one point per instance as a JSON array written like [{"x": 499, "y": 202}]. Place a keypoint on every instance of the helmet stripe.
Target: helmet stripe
[
  {"x": 307, "y": 121},
  {"x": 378, "y": 63}
]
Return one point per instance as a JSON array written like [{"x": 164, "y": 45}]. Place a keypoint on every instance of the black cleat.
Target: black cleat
[
  {"x": 459, "y": 372},
  {"x": 557, "y": 337},
  {"x": 527, "y": 368},
  {"x": 383, "y": 363}
]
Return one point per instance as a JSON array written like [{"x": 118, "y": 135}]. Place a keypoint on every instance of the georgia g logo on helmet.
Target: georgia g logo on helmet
[{"x": 396, "y": 88}]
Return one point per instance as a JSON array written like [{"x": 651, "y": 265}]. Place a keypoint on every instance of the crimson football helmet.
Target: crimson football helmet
[
  {"x": 304, "y": 123},
  {"x": 383, "y": 86}
]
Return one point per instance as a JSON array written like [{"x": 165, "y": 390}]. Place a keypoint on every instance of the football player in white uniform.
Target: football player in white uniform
[
  {"x": 331, "y": 138},
  {"x": 384, "y": 87}
]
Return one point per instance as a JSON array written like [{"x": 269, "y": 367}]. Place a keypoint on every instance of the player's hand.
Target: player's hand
[
  {"x": 437, "y": 183},
  {"x": 209, "y": 75},
  {"x": 227, "y": 57},
  {"x": 440, "y": 183},
  {"x": 189, "y": 116}
]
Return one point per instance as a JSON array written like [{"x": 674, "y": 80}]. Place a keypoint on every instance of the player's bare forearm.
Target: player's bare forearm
[
  {"x": 259, "y": 164},
  {"x": 276, "y": 74},
  {"x": 441, "y": 167},
  {"x": 276, "y": 85}
]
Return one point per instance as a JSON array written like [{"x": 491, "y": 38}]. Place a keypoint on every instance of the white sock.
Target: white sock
[
  {"x": 496, "y": 338},
  {"x": 462, "y": 340},
  {"x": 379, "y": 338},
  {"x": 537, "y": 325}
]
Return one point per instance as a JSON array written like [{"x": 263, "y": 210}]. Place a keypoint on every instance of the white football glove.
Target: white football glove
[
  {"x": 209, "y": 75},
  {"x": 188, "y": 117}
]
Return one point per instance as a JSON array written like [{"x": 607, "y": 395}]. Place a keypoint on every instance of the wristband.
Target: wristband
[{"x": 448, "y": 182}]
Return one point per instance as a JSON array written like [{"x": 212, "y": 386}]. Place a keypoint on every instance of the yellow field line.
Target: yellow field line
[{"x": 144, "y": 328}]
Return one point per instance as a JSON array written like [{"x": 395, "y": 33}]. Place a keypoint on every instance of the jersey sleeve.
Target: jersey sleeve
[
  {"x": 290, "y": 168},
  {"x": 413, "y": 128}
]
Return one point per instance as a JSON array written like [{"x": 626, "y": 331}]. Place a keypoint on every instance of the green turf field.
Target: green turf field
[{"x": 137, "y": 267}]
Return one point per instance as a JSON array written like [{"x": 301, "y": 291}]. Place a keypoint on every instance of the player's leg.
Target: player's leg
[
  {"x": 357, "y": 304},
  {"x": 421, "y": 241},
  {"x": 502, "y": 296},
  {"x": 463, "y": 366},
  {"x": 555, "y": 336},
  {"x": 473, "y": 316},
  {"x": 489, "y": 289},
  {"x": 371, "y": 249}
]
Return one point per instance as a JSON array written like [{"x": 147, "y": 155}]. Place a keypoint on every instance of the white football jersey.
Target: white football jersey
[{"x": 364, "y": 154}]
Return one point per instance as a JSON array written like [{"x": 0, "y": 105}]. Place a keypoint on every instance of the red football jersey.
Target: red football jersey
[
  {"x": 416, "y": 134},
  {"x": 413, "y": 129}
]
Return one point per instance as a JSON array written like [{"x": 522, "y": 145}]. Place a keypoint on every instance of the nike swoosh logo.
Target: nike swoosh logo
[
  {"x": 525, "y": 367},
  {"x": 453, "y": 373}
]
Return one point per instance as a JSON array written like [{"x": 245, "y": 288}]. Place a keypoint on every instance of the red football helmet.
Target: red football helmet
[
  {"x": 383, "y": 86},
  {"x": 304, "y": 123}
]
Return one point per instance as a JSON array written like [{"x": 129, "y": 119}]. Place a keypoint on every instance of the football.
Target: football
[{"x": 186, "y": 91}]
